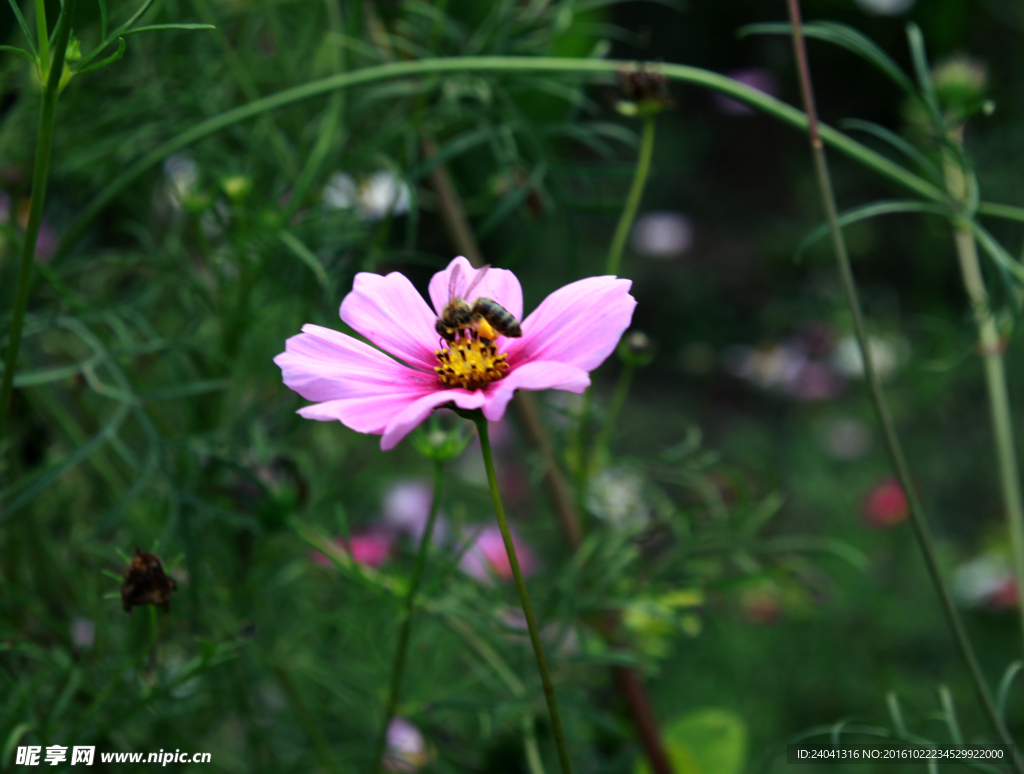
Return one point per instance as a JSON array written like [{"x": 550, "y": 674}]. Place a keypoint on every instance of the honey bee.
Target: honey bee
[{"x": 487, "y": 317}]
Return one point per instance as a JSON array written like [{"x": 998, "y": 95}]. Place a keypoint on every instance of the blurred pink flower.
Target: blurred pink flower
[
  {"x": 486, "y": 556},
  {"x": 569, "y": 334},
  {"x": 370, "y": 549},
  {"x": 407, "y": 509},
  {"x": 755, "y": 77},
  {"x": 815, "y": 381},
  {"x": 83, "y": 633},
  {"x": 406, "y": 749},
  {"x": 885, "y": 505},
  {"x": 46, "y": 242},
  {"x": 1006, "y": 596}
]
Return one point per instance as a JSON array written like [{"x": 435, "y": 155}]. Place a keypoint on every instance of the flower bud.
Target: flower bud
[
  {"x": 645, "y": 91},
  {"x": 636, "y": 348}
]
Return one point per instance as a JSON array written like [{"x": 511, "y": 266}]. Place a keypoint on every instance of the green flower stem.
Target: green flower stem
[
  {"x": 636, "y": 193},
  {"x": 524, "y": 598},
  {"x": 495, "y": 64},
  {"x": 410, "y": 606},
  {"x": 990, "y": 348},
  {"x": 918, "y": 520},
  {"x": 618, "y": 400},
  {"x": 40, "y": 174},
  {"x": 43, "y": 33}
]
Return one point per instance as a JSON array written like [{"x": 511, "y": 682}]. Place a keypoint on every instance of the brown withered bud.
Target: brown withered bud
[
  {"x": 146, "y": 583},
  {"x": 645, "y": 92}
]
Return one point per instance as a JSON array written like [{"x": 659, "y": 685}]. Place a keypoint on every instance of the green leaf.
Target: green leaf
[
  {"x": 510, "y": 203},
  {"x": 24, "y": 27},
  {"x": 1005, "y": 211},
  {"x": 841, "y": 35},
  {"x": 54, "y": 472},
  {"x": 304, "y": 254},
  {"x": 451, "y": 149},
  {"x": 155, "y": 27},
  {"x": 707, "y": 741},
  {"x": 1004, "y": 685},
  {"x": 996, "y": 251},
  {"x": 899, "y": 143},
  {"x": 186, "y": 390},
  {"x": 103, "y": 62},
  {"x": 896, "y": 713},
  {"x": 103, "y": 19},
  {"x": 923, "y": 72},
  {"x": 887, "y": 207},
  {"x": 19, "y": 52}
]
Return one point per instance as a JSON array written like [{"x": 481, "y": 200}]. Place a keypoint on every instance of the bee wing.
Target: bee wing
[
  {"x": 453, "y": 281},
  {"x": 476, "y": 281}
]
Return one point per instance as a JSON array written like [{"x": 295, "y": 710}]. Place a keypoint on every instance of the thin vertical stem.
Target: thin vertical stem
[
  {"x": 524, "y": 598},
  {"x": 636, "y": 192},
  {"x": 43, "y": 33},
  {"x": 35, "y": 211},
  {"x": 618, "y": 400},
  {"x": 410, "y": 607},
  {"x": 990, "y": 348},
  {"x": 918, "y": 520}
]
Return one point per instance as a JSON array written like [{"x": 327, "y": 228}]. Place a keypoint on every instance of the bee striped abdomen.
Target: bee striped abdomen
[{"x": 502, "y": 320}]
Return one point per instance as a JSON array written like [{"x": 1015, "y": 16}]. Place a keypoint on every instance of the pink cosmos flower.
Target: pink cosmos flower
[
  {"x": 486, "y": 556},
  {"x": 569, "y": 334}
]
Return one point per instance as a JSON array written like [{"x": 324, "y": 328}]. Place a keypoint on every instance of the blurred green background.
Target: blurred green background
[{"x": 743, "y": 523}]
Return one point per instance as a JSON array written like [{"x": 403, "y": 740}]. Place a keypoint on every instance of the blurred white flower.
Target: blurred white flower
[
  {"x": 662, "y": 234},
  {"x": 617, "y": 497},
  {"x": 846, "y": 439},
  {"x": 885, "y": 7},
  {"x": 182, "y": 173},
  {"x": 341, "y": 192},
  {"x": 769, "y": 366},
  {"x": 406, "y": 749},
  {"x": 83, "y": 633},
  {"x": 986, "y": 581},
  {"x": 887, "y": 354},
  {"x": 381, "y": 194}
]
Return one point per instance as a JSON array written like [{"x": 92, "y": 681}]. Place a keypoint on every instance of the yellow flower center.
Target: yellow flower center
[{"x": 470, "y": 361}]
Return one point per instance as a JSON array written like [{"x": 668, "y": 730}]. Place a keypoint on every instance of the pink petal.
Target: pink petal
[
  {"x": 364, "y": 415},
  {"x": 322, "y": 364},
  {"x": 417, "y": 411},
  {"x": 486, "y": 555},
  {"x": 543, "y": 375},
  {"x": 393, "y": 315},
  {"x": 579, "y": 324},
  {"x": 498, "y": 285}
]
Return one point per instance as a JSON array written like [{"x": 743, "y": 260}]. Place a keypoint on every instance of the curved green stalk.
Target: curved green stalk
[
  {"x": 495, "y": 64},
  {"x": 636, "y": 193},
  {"x": 524, "y": 598},
  {"x": 892, "y": 443},
  {"x": 35, "y": 212},
  {"x": 410, "y": 605},
  {"x": 990, "y": 348}
]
